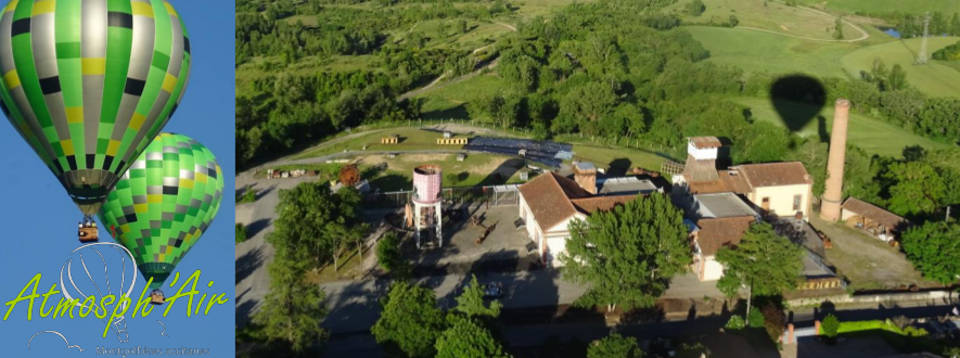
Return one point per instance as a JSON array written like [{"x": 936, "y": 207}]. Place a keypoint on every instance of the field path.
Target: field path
[{"x": 863, "y": 34}]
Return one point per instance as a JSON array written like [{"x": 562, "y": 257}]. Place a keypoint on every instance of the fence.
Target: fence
[{"x": 496, "y": 195}]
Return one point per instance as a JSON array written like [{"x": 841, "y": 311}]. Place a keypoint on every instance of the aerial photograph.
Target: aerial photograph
[{"x": 597, "y": 178}]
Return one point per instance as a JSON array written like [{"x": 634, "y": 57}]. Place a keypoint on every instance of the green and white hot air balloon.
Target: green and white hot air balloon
[
  {"x": 89, "y": 83},
  {"x": 163, "y": 203}
]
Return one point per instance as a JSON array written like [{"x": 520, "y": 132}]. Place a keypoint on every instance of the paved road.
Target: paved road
[
  {"x": 518, "y": 336},
  {"x": 354, "y": 305}
]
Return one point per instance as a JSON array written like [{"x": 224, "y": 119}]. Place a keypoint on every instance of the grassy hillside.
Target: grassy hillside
[
  {"x": 761, "y": 51},
  {"x": 772, "y": 16},
  {"x": 878, "y": 6},
  {"x": 872, "y": 135},
  {"x": 934, "y": 78}
]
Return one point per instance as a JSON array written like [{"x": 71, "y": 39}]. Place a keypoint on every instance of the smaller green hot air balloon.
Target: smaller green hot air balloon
[{"x": 163, "y": 203}]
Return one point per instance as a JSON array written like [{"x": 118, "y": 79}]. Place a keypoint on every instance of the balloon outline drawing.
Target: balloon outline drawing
[
  {"x": 64, "y": 338},
  {"x": 120, "y": 323}
]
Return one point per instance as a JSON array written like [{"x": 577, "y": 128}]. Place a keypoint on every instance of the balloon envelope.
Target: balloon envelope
[
  {"x": 88, "y": 84},
  {"x": 162, "y": 205}
]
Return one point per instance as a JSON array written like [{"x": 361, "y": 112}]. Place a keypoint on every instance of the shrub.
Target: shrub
[
  {"x": 241, "y": 235},
  {"x": 695, "y": 8},
  {"x": 249, "y": 196},
  {"x": 949, "y": 53},
  {"x": 390, "y": 256},
  {"x": 755, "y": 319},
  {"x": 830, "y": 326},
  {"x": 735, "y": 322}
]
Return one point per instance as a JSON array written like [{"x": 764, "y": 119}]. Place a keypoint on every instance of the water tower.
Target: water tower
[{"x": 426, "y": 201}]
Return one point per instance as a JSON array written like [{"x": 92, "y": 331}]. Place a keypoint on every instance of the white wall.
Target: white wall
[
  {"x": 712, "y": 270},
  {"x": 781, "y": 198},
  {"x": 701, "y": 153}
]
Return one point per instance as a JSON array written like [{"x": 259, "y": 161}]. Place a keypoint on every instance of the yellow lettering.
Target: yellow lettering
[
  {"x": 13, "y": 303},
  {"x": 51, "y": 291},
  {"x": 192, "y": 281}
]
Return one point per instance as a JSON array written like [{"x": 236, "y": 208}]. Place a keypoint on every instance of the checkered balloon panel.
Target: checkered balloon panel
[
  {"x": 89, "y": 83},
  {"x": 162, "y": 205}
]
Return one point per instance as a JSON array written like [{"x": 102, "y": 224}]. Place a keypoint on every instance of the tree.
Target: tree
[
  {"x": 695, "y": 8},
  {"x": 470, "y": 302},
  {"x": 734, "y": 21},
  {"x": 933, "y": 249},
  {"x": 588, "y": 102},
  {"x": 294, "y": 309},
  {"x": 467, "y": 338},
  {"x": 391, "y": 257},
  {"x": 917, "y": 188},
  {"x": 830, "y": 326},
  {"x": 628, "y": 254},
  {"x": 897, "y": 80},
  {"x": 838, "y": 28},
  {"x": 409, "y": 322},
  {"x": 614, "y": 346},
  {"x": 764, "y": 262},
  {"x": 313, "y": 224}
]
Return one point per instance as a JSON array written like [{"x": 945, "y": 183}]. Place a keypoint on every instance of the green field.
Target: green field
[
  {"x": 769, "y": 15},
  {"x": 872, "y": 135},
  {"x": 887, "y": 6},
  {"x": 756, "y": 51},
  {"x": 934, "y": 78}
]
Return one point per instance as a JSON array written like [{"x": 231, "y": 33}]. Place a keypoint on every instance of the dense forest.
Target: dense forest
[{"x": 613, "y": 69}]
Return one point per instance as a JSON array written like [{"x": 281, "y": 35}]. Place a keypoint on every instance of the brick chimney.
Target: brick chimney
[
  {"x": 701, "y": 163},
  {"x": 833, "y": 193},
  {"x": 585, "y": 174}
]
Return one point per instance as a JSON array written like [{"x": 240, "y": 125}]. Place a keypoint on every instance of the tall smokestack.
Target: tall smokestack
[{"x": 830, "y": 209}]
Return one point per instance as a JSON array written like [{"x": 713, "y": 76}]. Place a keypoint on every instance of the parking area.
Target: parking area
[{"x": 505, "y": 248}]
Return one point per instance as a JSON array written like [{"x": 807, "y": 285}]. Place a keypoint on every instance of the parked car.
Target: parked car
[{"x": 493, "y": 290}]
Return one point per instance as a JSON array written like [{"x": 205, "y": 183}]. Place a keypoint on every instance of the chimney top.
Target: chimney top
[
  {"x": 705, "y": 142},
  {"x": 584, "y": 167},
  {"x": 585, "y": 174}
]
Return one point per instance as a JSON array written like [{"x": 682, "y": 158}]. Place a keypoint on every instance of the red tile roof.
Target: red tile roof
[
  {"x": 589, "y": 205},
  {"x": 553, "y": 198},
  {"x": 718, "y": 232},
  {"x": 774, "y": 174},
  {"x": 548, "y": 199},
  {"x": 875, "y": 213},
  {"x": 743, "y": 178}
]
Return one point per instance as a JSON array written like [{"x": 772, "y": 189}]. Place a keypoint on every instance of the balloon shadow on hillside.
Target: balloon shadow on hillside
[{"x": 797, "y": 99}]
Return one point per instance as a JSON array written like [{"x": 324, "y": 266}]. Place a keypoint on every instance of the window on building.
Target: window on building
[{"x": 796, "y": 202}]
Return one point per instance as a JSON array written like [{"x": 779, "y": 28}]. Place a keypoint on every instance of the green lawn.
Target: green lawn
[
  {"x": 603, "y": 156},
  {"x": 934, "y": 78},
  {"x": 872, "y": 135},
  {"x": 887, "y": 6},
  {"x": 756, "y": 51},
  {"x": 410, "y": 139}
]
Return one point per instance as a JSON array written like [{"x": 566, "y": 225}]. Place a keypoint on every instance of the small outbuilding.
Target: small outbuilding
[{"x": 872, "y": 219}]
